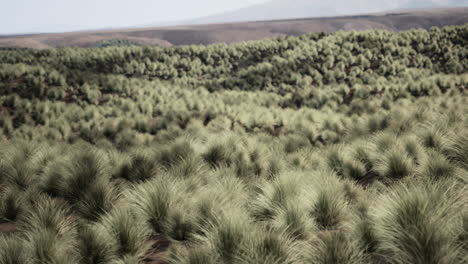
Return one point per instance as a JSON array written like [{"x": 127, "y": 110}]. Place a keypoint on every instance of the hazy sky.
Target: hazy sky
[{"x": 23, "y": 16}]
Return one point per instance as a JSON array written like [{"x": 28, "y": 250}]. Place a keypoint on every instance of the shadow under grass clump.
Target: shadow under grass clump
[{"x": 12, "y": 204}]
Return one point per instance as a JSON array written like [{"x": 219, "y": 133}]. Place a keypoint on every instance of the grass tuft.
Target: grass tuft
[
  {"x": 217, "y": 155},
  {"x": 13, "y": 250},
  {"x": 48, "y": 214},
  {"x": 128, "y": 230},
  {"x": 420, "y": 223},
  {"x": 153, "y": 201},
  {"x": 96, "y": 245},
  {"x": 436, "y": 167},
  {"x": 394, "y": 164},
  {"x": 336, "y": 248},
  {"x": 329, "y": 209}
]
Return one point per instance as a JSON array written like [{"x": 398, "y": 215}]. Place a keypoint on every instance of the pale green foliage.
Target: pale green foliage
[{"x": 322, "y": 148}]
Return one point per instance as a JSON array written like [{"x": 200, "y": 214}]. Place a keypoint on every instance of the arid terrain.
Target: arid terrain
[{"x": 237, "y": 32}]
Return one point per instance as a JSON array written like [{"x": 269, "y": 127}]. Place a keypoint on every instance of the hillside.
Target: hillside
[
  {"x": 343, "y": 148},
  {"x": 288, "y": 9},
  {"x": 238, "y": 32}
]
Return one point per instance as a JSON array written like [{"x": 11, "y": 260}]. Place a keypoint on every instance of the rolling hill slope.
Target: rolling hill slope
[{"x": 238, "y": 32}]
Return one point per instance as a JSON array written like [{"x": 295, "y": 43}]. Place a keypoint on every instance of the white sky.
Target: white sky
[{"x": 27, "y": 16}]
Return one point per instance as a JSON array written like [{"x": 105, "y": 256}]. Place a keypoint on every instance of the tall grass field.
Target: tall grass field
[{"x": 341, "y": 148}]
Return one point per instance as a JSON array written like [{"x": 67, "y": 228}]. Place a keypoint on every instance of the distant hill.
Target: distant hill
[
  {"x": 288, "y": 9},
  {"x": 237, "y": 32}
]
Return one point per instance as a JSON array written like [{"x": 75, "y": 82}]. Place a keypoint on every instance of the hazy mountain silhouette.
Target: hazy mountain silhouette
[{"x": 286, "y": 9}]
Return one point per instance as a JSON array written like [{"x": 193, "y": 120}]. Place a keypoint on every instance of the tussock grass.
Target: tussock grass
[
  {"x": 45, "y": 246},
  {"x": 18, "y": 166},
  {"x": 458, "y": 150},
  {"x": 294, "y": 221},
  {"x": 394, "y": 164},
  {"x": 414, "y": 149},
  {"x": 336, "y": 161},
  {"x": 83, "y": 180},
  {"x": 12, "y": 204},
  {"x": 13, "y": 250},
  {"x": 141, "y": 166},
  {"x": 128, "y": 230},
  {"x": 96, "y": 245},
  {"x": 273, "y": 196},
  {"x": 418, "y": 223},
  {"x": 433, "y": 137},
  {"x": 329, "y": 209},
  {"x": 174, "y": 154},
  {"x": 363, "y": 154},
  {"x": 48, "y": 214},
  {"x": 436, "y": 167},
  {"x": 194, "y": 255},
  {"x": 354, "y": 170},
  {"x": 335, "y": 247},
  {"x": 217, "y": 155},
  {"x": 153, "y": 201},
  {"x": 246, "y": 153},
  {"x": 229, "y": 237}
]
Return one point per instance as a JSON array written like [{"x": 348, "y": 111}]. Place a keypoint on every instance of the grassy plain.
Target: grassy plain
[{"x": 349, "y": 147}]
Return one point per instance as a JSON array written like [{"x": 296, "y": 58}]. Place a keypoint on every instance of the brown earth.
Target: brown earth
[
  {"x": 7, "y": 227},
  {"x": 238, "y": 32},
  {"x": 156, "y": 254}
]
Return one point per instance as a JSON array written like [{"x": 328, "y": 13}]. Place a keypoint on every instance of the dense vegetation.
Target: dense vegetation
[
  {"x": 342, "y": 148},
  {"x": 115, "y": 42}
]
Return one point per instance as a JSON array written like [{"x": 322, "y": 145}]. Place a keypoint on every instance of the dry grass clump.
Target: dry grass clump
[{"x": 419, "y": 223}]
